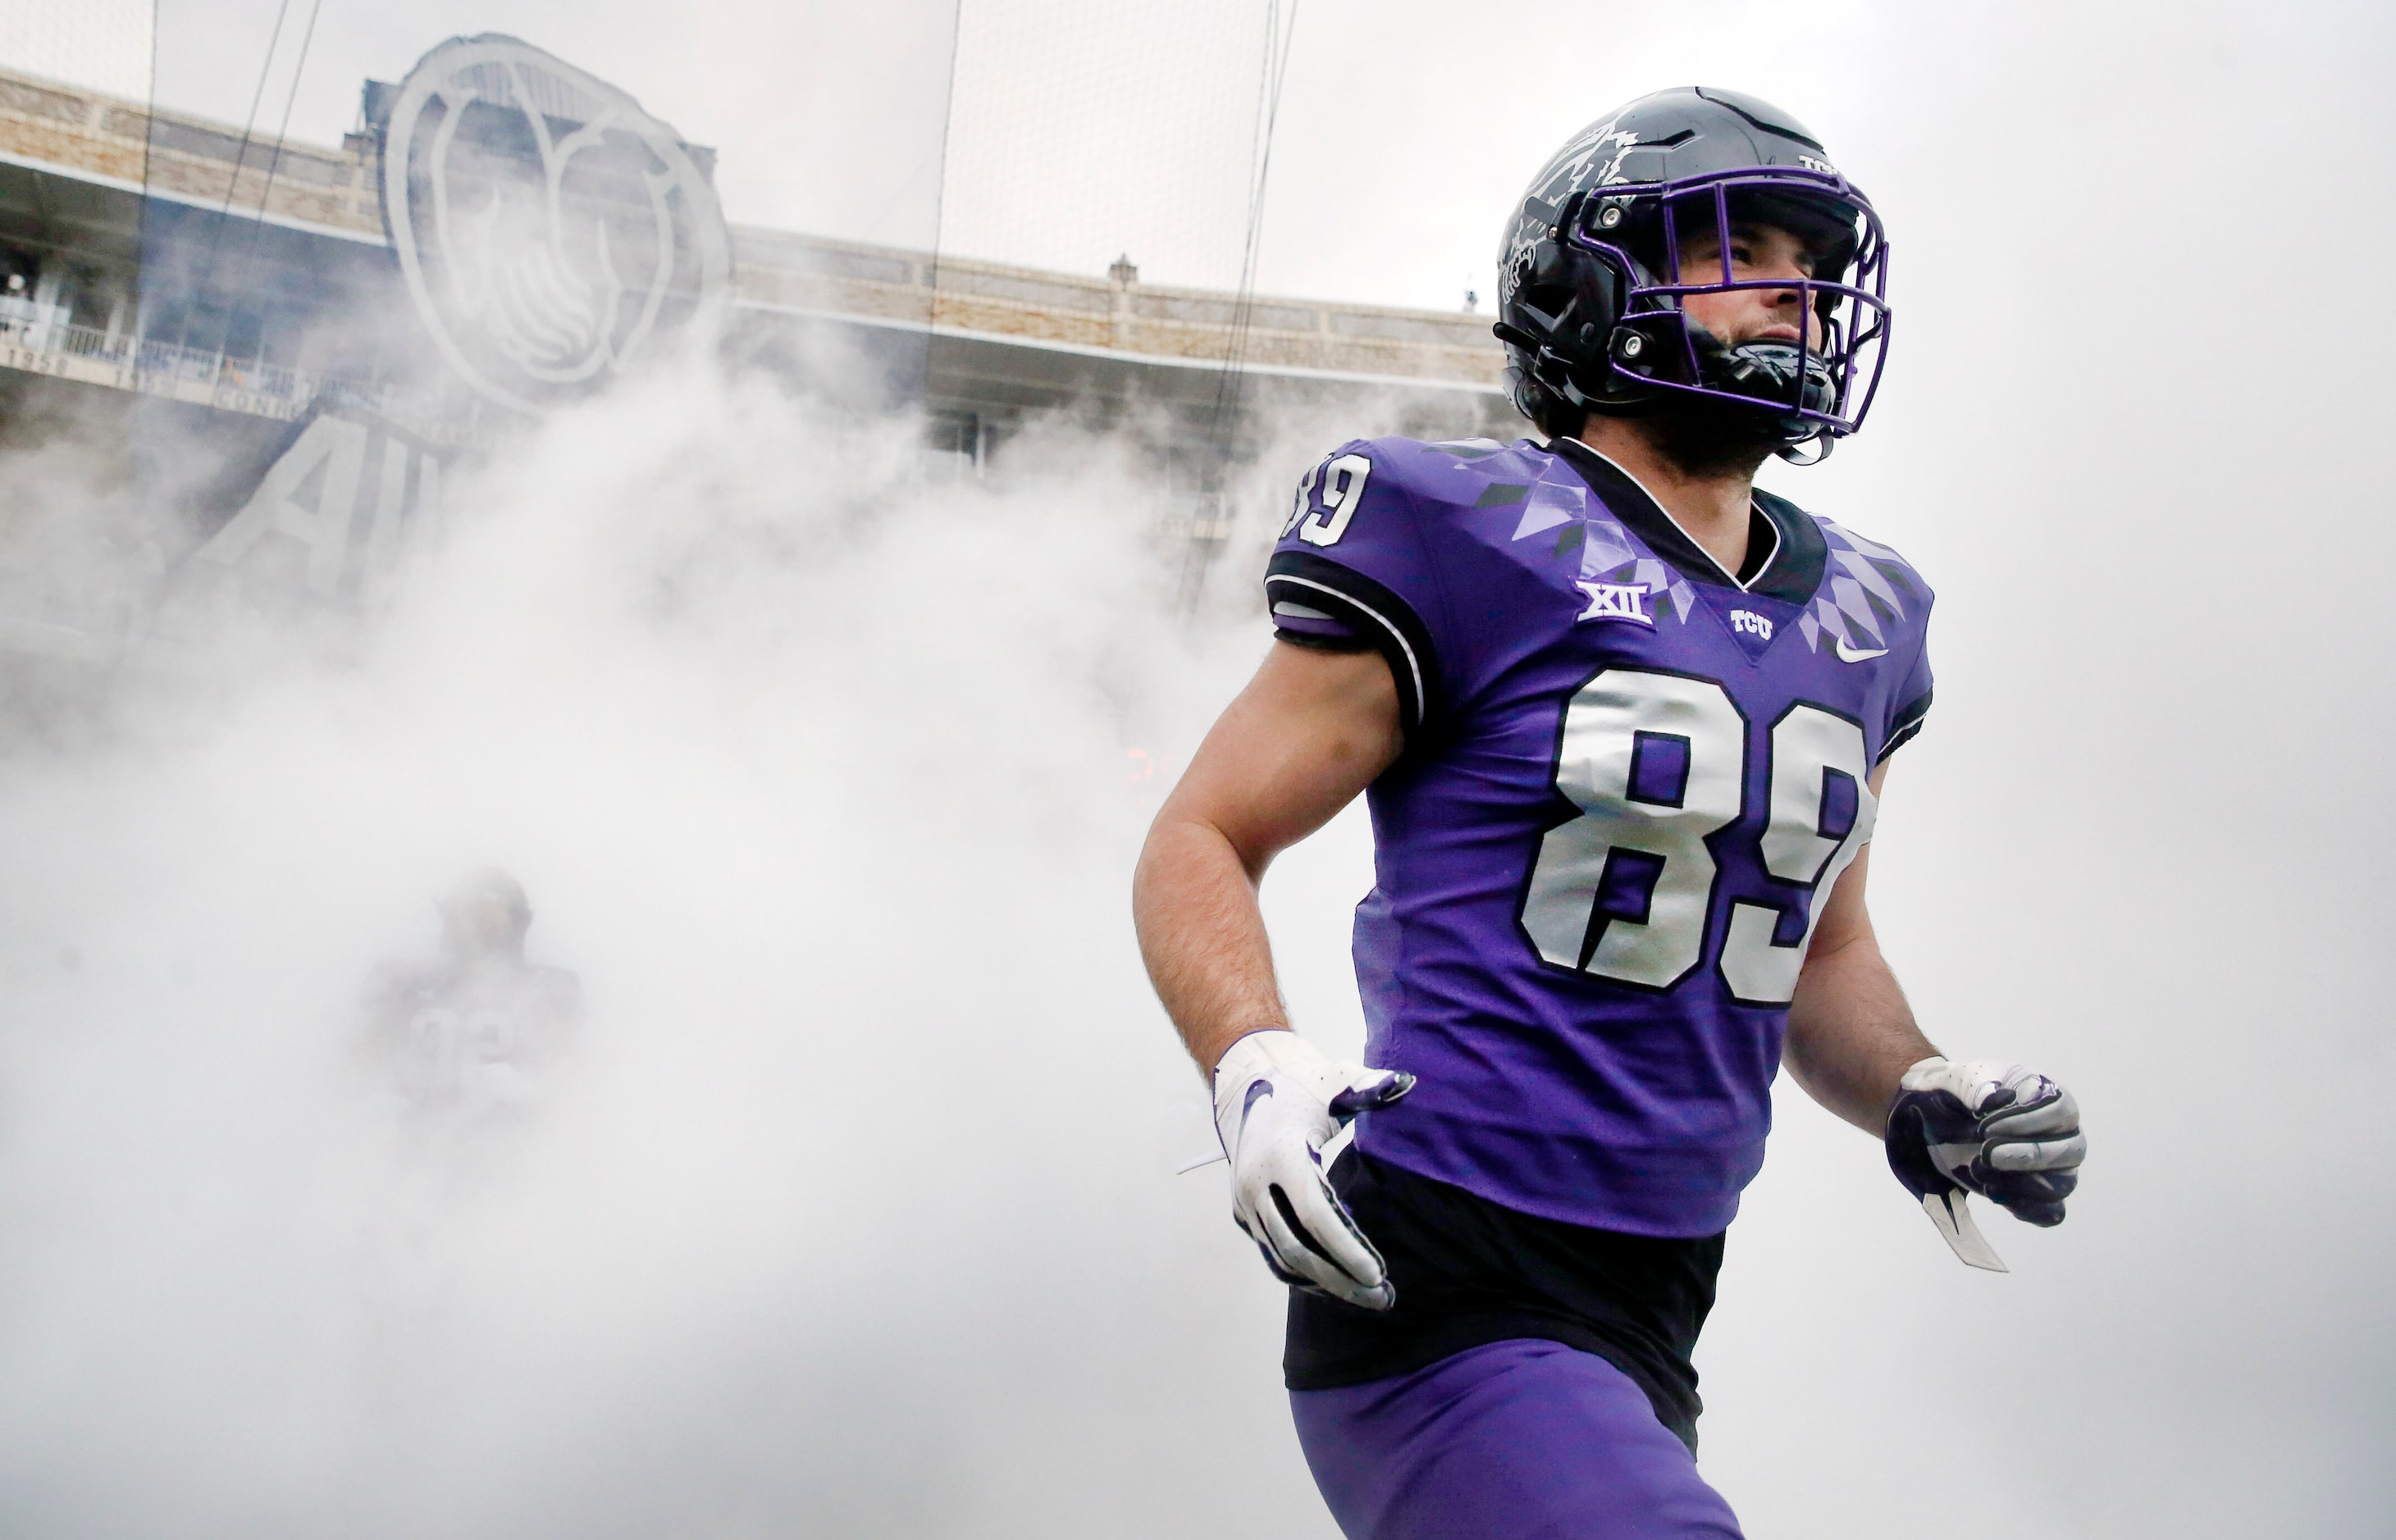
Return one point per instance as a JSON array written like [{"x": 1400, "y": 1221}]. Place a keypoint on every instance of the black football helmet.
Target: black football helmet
[{"x": 1590, "y": 281}]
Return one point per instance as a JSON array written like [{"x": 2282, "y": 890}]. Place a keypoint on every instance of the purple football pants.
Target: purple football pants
[{"x": 1519, "y": 1439}]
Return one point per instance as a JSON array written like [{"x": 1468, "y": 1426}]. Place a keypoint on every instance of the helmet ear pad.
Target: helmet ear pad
[{"x": 1561, "y": 307}]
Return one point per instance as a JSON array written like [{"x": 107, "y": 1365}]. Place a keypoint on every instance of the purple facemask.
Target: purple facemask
[{"x": 1823, "y": 385}]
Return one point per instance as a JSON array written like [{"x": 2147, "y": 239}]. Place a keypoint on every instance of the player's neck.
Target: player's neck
[{"x": 1711, "y": 508}]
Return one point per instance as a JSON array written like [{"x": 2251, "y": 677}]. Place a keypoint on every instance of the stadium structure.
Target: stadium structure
[{"x": 280, "y": 310}]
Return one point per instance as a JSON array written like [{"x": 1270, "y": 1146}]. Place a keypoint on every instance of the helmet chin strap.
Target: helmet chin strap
[
  {"x": 1762, "y": 372},
  {"x": 1766, "y": 372}
]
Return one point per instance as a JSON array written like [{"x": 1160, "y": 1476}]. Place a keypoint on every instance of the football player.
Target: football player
[
  {"x": 1623, "y": 720},
  {"x": 470, "y": 1036}
]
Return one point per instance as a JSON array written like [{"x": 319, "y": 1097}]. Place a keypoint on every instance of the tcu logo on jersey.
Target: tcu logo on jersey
[
  {"x": 1751, "y": 623},
  {"x": 1615, "y": 601}
]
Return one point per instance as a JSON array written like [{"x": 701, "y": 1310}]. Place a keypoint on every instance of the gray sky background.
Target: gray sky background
[
  {"x": 1406, "y": 127},
  {"x": 861, "y": 1222}
]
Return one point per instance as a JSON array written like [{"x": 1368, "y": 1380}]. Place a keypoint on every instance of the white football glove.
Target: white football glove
[
  {"x": 1278, "y": 1101},
  {"x": 2006, "y": 1133}
]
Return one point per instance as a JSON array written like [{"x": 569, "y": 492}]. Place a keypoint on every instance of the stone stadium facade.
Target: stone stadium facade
[{"x": 165, "y": 275}]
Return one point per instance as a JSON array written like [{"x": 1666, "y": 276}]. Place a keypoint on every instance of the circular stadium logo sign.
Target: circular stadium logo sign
[{"x": 549, "y": 231}]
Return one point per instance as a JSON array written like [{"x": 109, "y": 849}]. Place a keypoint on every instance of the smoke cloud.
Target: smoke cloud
[{"x": 853, "y": 1213}]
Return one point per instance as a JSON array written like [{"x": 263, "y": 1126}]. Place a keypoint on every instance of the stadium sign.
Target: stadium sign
[
  {"x": 550, "y": 233},
  {"x": 325, "y": 530}
]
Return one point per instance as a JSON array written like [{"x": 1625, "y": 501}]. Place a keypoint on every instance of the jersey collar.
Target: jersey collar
[{"x": 1793, "y": 550}]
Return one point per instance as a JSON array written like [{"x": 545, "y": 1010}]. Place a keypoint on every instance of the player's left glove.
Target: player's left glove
[
  {"x": 1278, "y": 1101},
  {"x": 2006, "y": 1133}
]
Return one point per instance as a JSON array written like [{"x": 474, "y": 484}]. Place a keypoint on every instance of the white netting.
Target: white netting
[{"x": 1081, "y": 130}]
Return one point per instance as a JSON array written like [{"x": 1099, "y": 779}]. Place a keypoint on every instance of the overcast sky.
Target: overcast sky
[
  {"x": 1406, "y": 128},
  {"x": 2142, "y": 844},
  {"x": 1405, "y": 125}
]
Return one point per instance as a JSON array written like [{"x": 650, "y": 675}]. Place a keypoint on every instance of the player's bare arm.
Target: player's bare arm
[
  {"x": 1999, "y": 1130},
  {"x": 1851, "y": 1033},
  {"x": 1311, "y": 730}
]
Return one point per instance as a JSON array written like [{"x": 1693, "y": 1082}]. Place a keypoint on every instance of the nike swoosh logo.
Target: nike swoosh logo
[{"x": 1856, "y": 655}]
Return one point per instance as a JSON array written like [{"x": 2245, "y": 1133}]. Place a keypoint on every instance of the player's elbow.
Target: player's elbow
[
  {"x": 1185, "y": 849},
  {"x": 1834, "y": 943}
]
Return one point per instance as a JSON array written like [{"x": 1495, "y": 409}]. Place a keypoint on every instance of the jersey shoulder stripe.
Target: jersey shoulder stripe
[{"x": 1365, "y": 610}]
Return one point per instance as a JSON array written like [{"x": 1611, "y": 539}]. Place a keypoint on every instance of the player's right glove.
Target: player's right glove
[
  {"x": 1278, "y": 1101},
  {"x": 2006, "y": 1133}
]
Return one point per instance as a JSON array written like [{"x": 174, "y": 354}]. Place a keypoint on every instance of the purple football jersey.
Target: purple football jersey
[{"x": 1630, "y": 778}]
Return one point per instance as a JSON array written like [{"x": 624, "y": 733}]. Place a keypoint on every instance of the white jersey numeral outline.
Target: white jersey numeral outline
[{"x": 1610, "y": 726}]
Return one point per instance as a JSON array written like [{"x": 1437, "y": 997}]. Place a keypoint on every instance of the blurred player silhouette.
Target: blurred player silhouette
[
  {"x": 1623, "y": 720},
  {"x": 474, "y": 1034}
]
